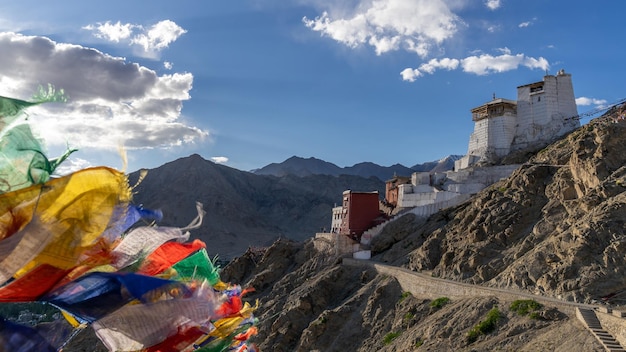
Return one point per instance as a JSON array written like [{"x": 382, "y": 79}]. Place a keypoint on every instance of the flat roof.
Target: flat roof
[
  {"x": 496, "y": 102},
  {"x": 539, "y": 83}
]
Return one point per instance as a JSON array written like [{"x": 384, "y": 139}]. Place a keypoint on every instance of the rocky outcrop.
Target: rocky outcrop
[{"x": 555, "y": 227}]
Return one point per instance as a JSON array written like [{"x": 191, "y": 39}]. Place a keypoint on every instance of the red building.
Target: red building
[
  {"x": 391, "y": 188},
  {"x": 360, "y": 212}
]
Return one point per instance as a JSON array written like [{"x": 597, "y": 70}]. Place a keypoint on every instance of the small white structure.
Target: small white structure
[
  {"x": 543, "y": 111},
  {"x": 428, "y": 193},
  {"x": 335, "y": 224}
]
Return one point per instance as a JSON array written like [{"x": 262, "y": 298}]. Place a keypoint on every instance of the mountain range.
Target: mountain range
[{"x": 299, "y": 166}]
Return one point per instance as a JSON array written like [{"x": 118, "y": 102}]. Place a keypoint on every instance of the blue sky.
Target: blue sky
[{"x": 250, "y": 82}]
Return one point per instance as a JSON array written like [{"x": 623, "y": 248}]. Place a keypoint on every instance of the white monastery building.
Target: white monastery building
[{"x": 543, "y": 111}]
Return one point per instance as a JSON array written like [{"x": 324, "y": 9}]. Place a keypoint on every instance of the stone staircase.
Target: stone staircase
[{"x": 589, "y": 318}]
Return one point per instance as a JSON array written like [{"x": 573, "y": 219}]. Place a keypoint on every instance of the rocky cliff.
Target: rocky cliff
[{"x": 554, "y": 228}]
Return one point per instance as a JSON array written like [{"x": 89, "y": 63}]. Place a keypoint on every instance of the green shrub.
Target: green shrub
[
  {"x": 390, "y": 337},
  {"x": 418, "y": 343},
  {"x": 408, "y": 316},
  {"x": 484, "y": 327},
  {"x": 439, "y": 302},
  {"x": 405, "y": 294},
  {"x": 525, "y": 306}
]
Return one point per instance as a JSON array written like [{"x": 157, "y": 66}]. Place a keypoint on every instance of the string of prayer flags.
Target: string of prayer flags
[{"x": 73, "y": 250}]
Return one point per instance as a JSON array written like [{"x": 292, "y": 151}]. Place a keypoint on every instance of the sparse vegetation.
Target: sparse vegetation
[
  {"x": 390, "y": 337},
  {"x": 418, "y": 343},
  {"x": 525, "y": 306},
  {"x": 484, "y": 327},
  {"x": 320, "y": 321},
  {"x": 408, "y": 316},
  {"x": 439, "y": 302},
  {"x": 404, "y": 296}
]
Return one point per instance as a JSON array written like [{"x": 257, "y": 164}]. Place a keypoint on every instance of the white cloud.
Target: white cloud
[
  {"x": 410, "y": 74},
  {"x": 111, "y": 102},
  {"x": 485, "y": 64},
  {"x": 434, "y": 64},
  {"x": 114, "y": 32},
  {"x": 389, "y": 25},
  {"x": 168, "y": 65},
  {"x": 527, "y": 23},
  {"x": 219, "y": 159},
  {"x": 159, "y": 36},
  {"x": 152, "y": 40},
  {"x": 504, "y": 50},
  {"x": 585, "y": 101},
  {"x": 493, "y": 4},
  {"x": 479, "y": 65},
  {"x": 493, "y": 28}
]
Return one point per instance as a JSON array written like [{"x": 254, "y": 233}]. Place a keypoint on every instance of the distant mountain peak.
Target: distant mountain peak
[{"x": 299, "y": 166}]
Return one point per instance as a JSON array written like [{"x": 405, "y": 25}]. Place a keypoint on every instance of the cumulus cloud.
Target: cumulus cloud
[
  {"x": 168, "y": 65},
  {"x": 493, "y": 4},
  {"x": 410, "y": 74},
  {"x": 111, "y": 103},
  {"x": 389, "y": 25},
  {"x": 219, "y": 159},
  {"x": 485, "y": 64},
  {"x": 478, "y": 64},
  {"x": 114, "y": 32},
  {"x": 151, "y": 40},
  {"x": 585, "y": 101}
]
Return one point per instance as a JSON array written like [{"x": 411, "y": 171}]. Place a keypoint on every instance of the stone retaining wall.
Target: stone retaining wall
[{"x": 422, "y": 285}]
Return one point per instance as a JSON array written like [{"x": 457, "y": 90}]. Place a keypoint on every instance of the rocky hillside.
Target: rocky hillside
[
  {"x": 554, "y": 228},
  {"x": 310, "y": 302}
]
